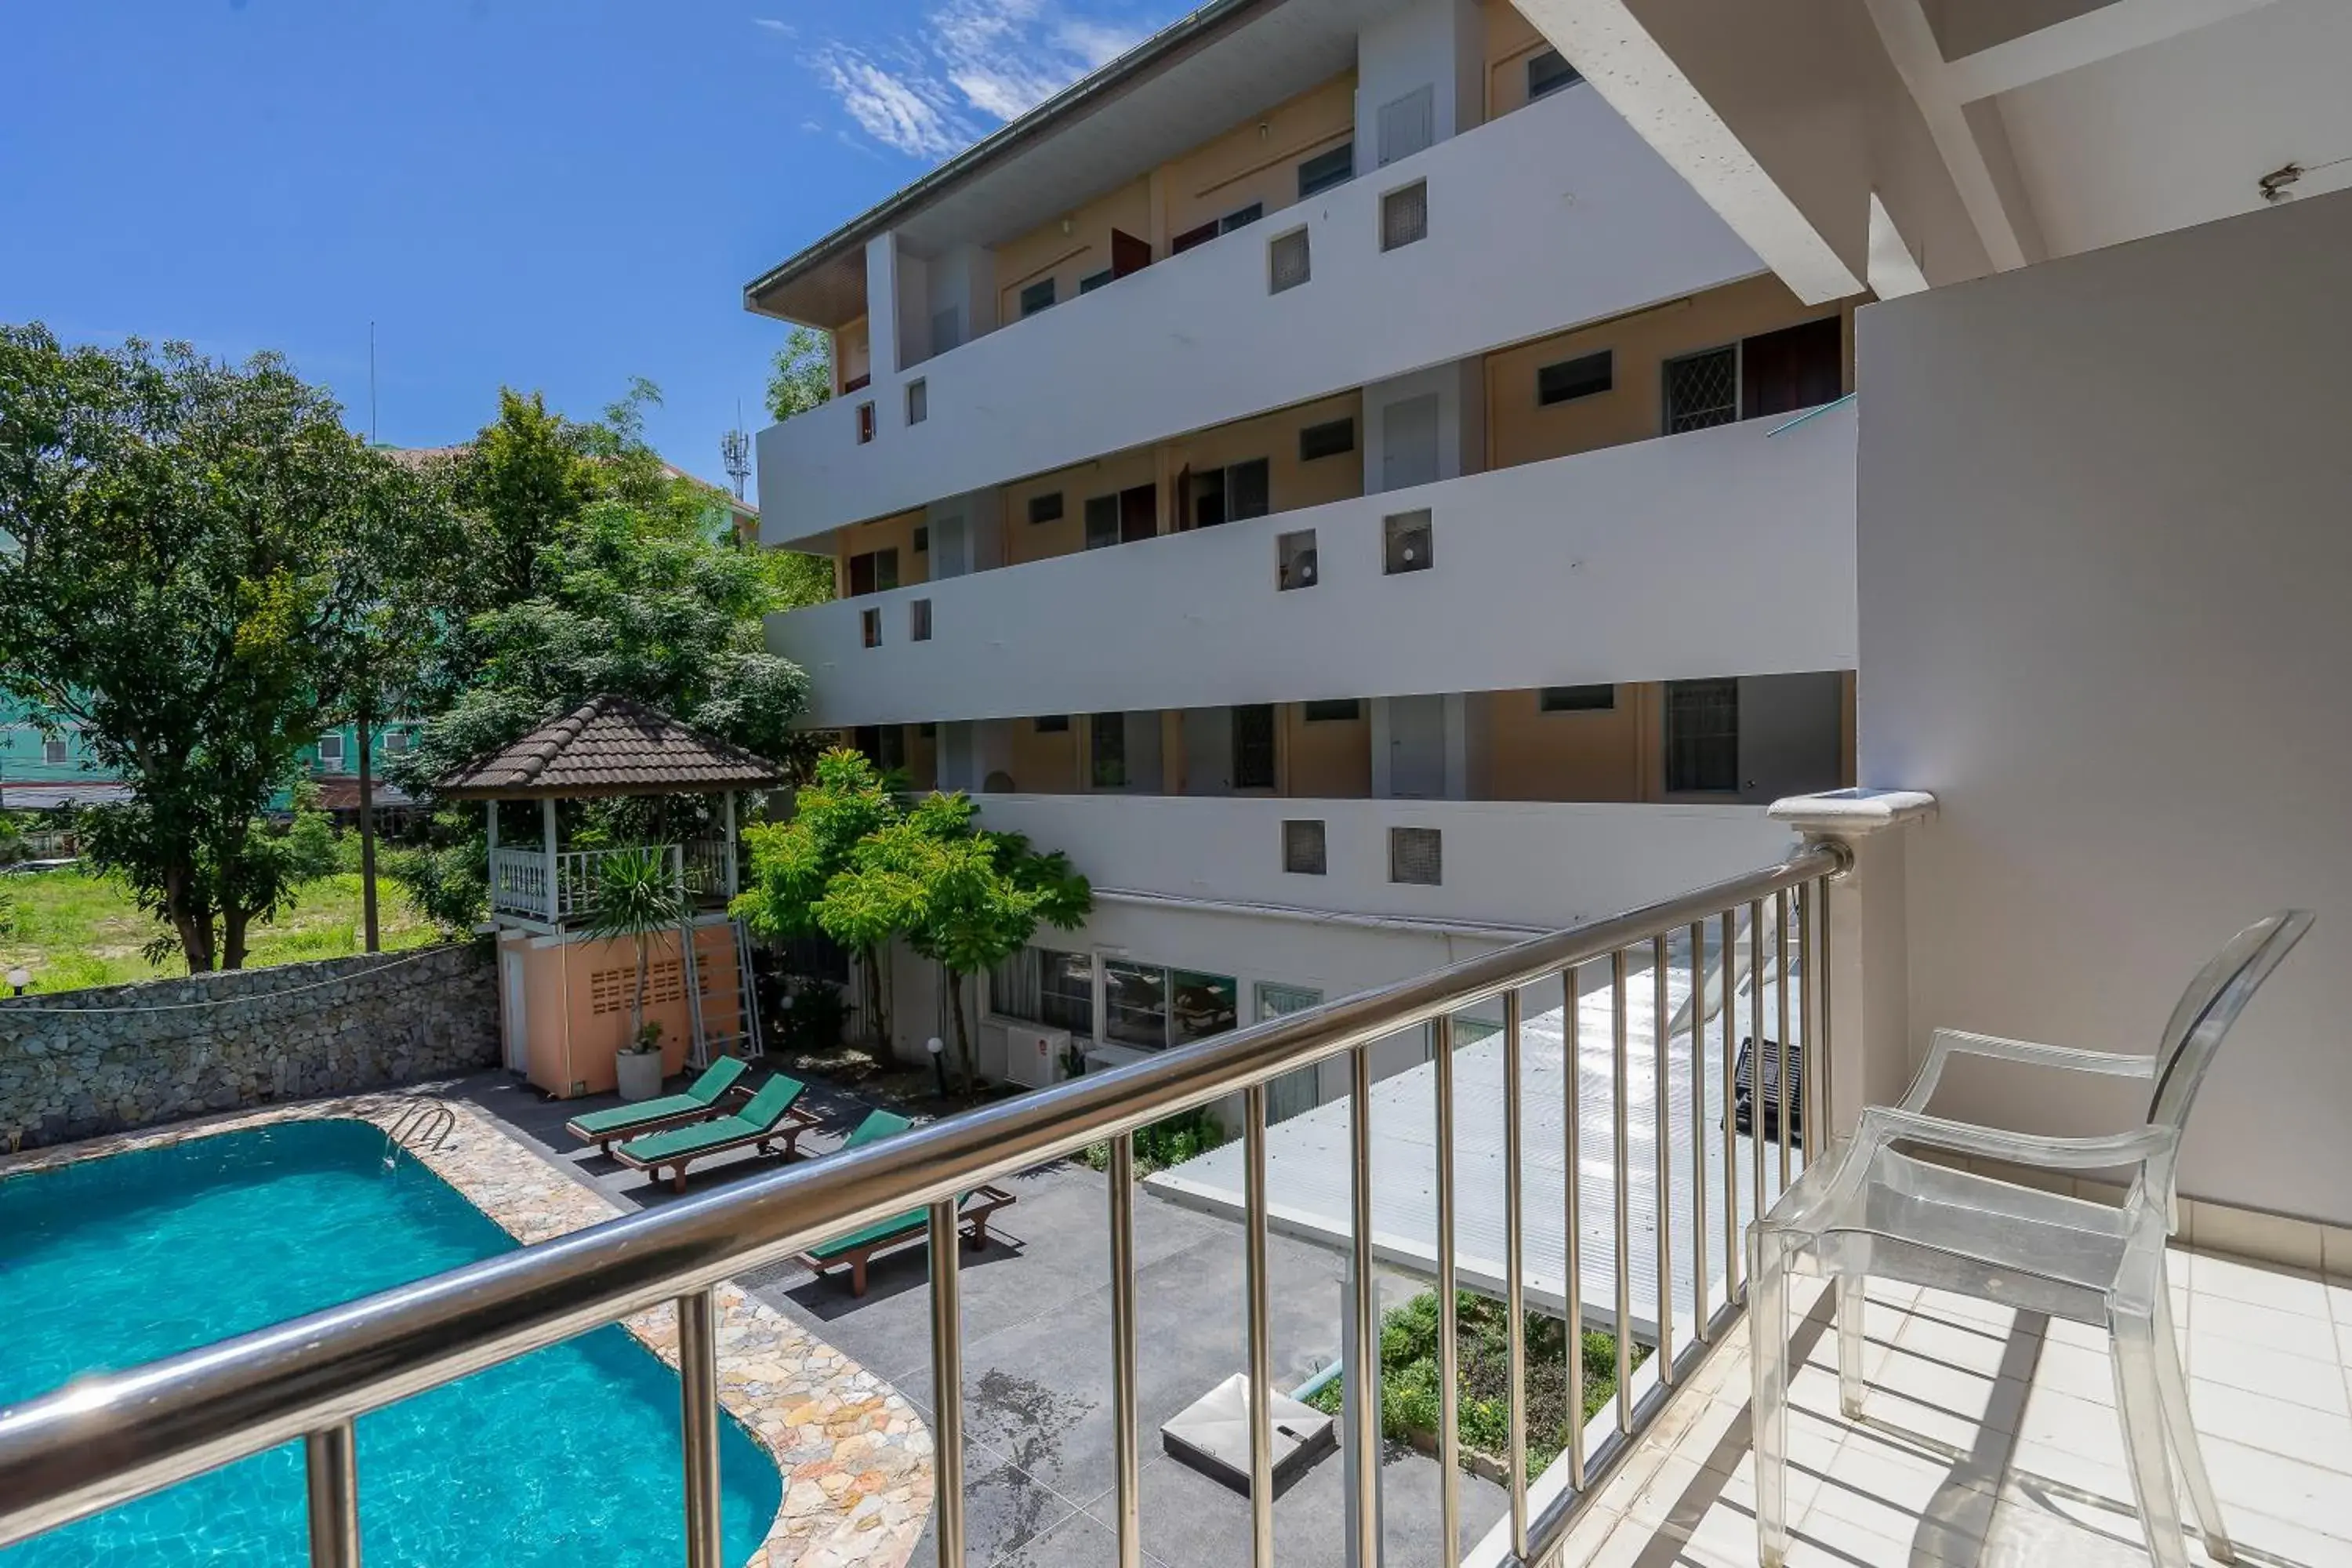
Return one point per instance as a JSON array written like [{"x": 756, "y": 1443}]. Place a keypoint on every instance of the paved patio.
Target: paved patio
[
  {"x": 1037, "y": 1342},
  {"x": 1989, "y": 1438}
]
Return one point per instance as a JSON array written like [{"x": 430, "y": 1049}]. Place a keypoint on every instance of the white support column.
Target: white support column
[
  {"x": 546, "y": 829},
  {"x": 490, "y": 852},
  {"x": 1868, "y": 980},
  {"x": 733, "y": 876}
]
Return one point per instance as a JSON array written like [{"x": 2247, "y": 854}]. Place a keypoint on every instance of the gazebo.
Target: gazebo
[{"x": 564, "y": 996}]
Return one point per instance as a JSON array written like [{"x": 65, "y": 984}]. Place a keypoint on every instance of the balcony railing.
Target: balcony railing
[
  {"x": 560, "y": 886},
  {"x": 107, "y": 1441}
]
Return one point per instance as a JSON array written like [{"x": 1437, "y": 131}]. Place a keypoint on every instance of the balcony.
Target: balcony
[
  {"x": 1675, "y": 558},
  {"x": 1529, "y": 866},
  {"x": 1552, "y": 215}
]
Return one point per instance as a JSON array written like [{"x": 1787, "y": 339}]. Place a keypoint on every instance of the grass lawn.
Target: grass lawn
[{"x": 71, "y": 930}]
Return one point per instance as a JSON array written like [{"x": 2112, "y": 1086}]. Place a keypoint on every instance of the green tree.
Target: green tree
[
  {"x": 187, "y": 549},
  {"x": 801, "y": 376},
  {"x": 637, "y": 898},
  {"x": 967, "y": 899},
  {"x": 795, "y": 863}
]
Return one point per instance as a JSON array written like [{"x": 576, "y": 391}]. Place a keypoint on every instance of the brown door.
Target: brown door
[
  {"x": 1796, "y": 367},
  {"x": 1192, "y": 236},
  {"x": 1127, "y": 254},
  {"x": 1138, "y": 513}
]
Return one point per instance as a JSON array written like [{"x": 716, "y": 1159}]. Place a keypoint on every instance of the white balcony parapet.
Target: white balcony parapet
[
  {"x": 1722, "y": 551},
  {"x": 529, "y": 882},
  {"x": 1553, "y": 216},
  {"x": 1527, "y": 865}
]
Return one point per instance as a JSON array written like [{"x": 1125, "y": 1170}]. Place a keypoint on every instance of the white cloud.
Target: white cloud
[
  {"x": 971, "y": 64},
  {"x": 783, "y": 29}
]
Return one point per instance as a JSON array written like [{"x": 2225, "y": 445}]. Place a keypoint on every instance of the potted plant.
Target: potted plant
[
  {"x": 638, "y": 1064},
  {"x": 638, "y": 896}
]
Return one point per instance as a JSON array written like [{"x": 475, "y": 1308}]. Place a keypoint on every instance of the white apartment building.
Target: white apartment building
[{"x": 1330, "y": 476}]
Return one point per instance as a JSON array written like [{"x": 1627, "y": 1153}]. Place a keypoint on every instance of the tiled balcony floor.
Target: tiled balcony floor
[{"x": 1990, "y": 1437}]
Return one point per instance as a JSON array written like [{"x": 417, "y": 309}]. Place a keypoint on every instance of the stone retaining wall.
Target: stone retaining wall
[{"x": 82, "y": 1063}]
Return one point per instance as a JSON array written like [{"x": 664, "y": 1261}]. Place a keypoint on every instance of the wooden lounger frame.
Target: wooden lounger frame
[
  {"x": 971, "y": 1220},
  {"x": 782, "y": 1139}
]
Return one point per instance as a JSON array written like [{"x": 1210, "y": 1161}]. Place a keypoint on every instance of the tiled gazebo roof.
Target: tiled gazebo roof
[{"x": 611, "y": 745}]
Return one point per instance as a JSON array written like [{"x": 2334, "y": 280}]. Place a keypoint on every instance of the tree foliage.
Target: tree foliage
[
  {"x": 856, "y": 865},
  {"x": 189, "y": 553},
  {"x": 801, "y": 376}
]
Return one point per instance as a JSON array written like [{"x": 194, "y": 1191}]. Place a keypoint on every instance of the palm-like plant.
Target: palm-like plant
[{"x": 638, "y": 896}]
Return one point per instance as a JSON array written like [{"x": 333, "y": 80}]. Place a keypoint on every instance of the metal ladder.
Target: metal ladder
[
  {"x": 428, "y": 1122},
  {"x": 745, "y": 1041}
]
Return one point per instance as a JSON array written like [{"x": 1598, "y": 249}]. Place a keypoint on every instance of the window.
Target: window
[
  {"x": 922, "y": 537},
  {"x": 1053, "y": 723},
  {"x": 1326, "y": 170},
  {"x": 1201, "y": 1005},
  {"x": 1036, "y": 297},
  {"x": 883, "y": 745},
  {"x": 395, "y": 742},
  {"x": 1045, "y": 507},
  {"x": 1135, "y": 1005},
  {"x": 1573, "y": 378},
  {"x": 1094, "y": 280},
  {"x": 1328, "y": 439},
  {"x": 919, "y": 620},
  {"x": 330, "y": 750},
  {"x": 1302, "y": 849},
  {"x": 1232, "y": 493},
  {"x": 1102, "y": 521},
  {"x": 1406, "y": 538},
  {"x": 1051, "y": 989},
  {"x": 1192, "y": 236},
  {"x": 1286, "y": 262},
  {"x": 873, "y": 571},
  {"x": 1702, "y": 736},
  {"x": 1241, "y": 218},
  {"x": 918, "y": 401},
  {"x": 1295, "y": 560},
  {"x": 1416, "y": 855},
  {"x": 54, "y": 753},
  {"x": 870, "y": 625},
  {"x": 1547, "y": 72},
  {"x": 1109, "y": 750},
  {"x": 1253, "y": 746},
  {"x": 865, "y": 423},
  {"x": 1576, "y": 700},
  {"x": 1408, "y": 124},
  {"x": 1702, "y": 389},
  {"x": 1405, "y": 215},
  {"x": 1332, "y": 710},
  {"x": 1130, "y": 515}
]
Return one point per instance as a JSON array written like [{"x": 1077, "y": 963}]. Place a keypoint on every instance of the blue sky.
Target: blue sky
[{"x": 551, "y": 194}]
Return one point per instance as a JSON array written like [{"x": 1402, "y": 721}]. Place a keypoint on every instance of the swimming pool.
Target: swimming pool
[{"x": 569, "y": 1456}]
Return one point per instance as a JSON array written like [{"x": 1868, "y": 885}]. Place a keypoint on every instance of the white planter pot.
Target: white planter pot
[{"x": 640, "y": 1074}]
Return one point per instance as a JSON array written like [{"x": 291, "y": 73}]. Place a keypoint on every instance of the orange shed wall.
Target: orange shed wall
[{"x": 573, "y": 1040}]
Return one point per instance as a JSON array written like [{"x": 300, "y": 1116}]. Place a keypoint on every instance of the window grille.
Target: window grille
[
  {"x": 1702, "y": 389},
  {"x": 1302, "y": 847},
  {"x": 1253, "y": 746},
  {"x": 1416, "y": 855},
  {"x": 1405, "y": 215},
  {"x": 1406, "y": 541},
  {"x": 1702, "y": 736}
]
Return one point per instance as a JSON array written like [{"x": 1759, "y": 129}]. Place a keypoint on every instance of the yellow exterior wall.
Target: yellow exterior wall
[
  {"x": 883, "y": 533},
  {"x": 1330, "y": 759},
  {"x": 1258, "y": 160},
  {"x": 922, "y": 758},
  {"x": 1519, "y": 431},
  {"x": 1044, "y": 763},
  {"x": 1535, "y": 755},
  {"x": 1511, "y": 40},
  {"x": 852, "y": 355},
  {"x": 1066, "y": 254},
  {"x": 1066, "y": 534}
]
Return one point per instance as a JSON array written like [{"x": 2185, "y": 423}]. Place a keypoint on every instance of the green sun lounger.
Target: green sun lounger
[
  {"x": 702, "y": 1100},
  {"x": 856, "y": 1249},
  {"x": 770, "y": 1124}
]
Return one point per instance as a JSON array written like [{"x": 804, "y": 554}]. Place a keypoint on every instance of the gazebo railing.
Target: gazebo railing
[{"x": 529, "y": 882}]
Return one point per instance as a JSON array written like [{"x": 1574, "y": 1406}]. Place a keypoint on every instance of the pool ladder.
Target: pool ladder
[{"x": 426, "y": 1125}]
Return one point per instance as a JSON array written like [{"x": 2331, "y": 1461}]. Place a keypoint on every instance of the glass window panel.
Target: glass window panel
[
  {"x": 1202, "y": 1006},
  {"x": 1135, "y": 998}
]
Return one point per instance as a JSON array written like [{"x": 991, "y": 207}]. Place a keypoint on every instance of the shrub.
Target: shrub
[{"x": 1163, "y": 1144}]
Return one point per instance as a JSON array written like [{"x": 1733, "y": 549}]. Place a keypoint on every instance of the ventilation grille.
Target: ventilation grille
[
  {"x": 1416, "y": 854},
  {"x": 1303, "y": 850},
  {"x": 1289, "y": 261},
  {"x": 1405, "y": 215}
]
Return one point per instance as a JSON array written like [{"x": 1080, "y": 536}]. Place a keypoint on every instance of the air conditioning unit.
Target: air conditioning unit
[{"x": 1032, "y": 1057}]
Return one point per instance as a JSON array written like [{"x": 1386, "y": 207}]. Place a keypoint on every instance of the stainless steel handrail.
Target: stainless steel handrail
[{"x": 103, "y": 1441}]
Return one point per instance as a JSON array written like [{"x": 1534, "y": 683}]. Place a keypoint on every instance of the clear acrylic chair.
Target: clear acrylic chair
[{"x": 1866, "y": 1209}]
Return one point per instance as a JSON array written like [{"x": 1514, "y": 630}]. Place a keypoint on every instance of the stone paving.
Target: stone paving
[{"x": 854, "y": 1456}]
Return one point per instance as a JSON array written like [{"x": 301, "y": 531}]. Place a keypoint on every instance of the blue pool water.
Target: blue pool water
[{"x": 568, "y": 1457}]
